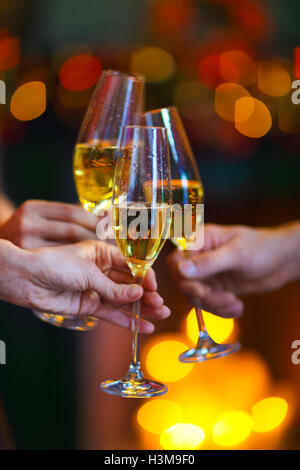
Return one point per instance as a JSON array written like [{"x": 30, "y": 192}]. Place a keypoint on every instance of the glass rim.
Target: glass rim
[
  {"x": 152, "y": 111},
  {"x": 118, "y": 73},
  {"x": 133, "y": 126}
]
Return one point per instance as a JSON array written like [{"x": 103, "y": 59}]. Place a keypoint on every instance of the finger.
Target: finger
[
  {"x": 209, "y": 263},
  {"x": 119, "y": 275},
  {"x": 234, "y": 310},
  {"x": 68, "y": 213},
  {"x": 109, "y": 290},
  {"x": 149, "y": 282},
  {"x": 156, "y": 313},
  {"x": 174, "y": 258},
  {"x": 31, "y": 243},
  {"x": 64, "y": 232},
  {"x": 117, "y": 317},
  {"x": 153, "y": 299},
  {"x": 224, "y": 304}
]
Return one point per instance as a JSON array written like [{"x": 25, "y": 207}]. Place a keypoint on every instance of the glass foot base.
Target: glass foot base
[
  {"x": 207, "y": 349},
  {"x": 71, "y": 322},
  {"x": 140, "y": 388}
]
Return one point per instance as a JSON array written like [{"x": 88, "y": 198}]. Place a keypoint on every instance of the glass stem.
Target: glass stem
[
  {"x": 135, "y": 371},
  {"x": 200, "y": 320},
  {"x": 201, "y": 324}
]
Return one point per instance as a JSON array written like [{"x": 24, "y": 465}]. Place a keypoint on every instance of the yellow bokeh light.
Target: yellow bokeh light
[
  {"x": 252, "y": 117},
  {"x": 29, "y": 101},
  {"x": 269, "y": 413},
  {"x": 232, "y": 428},
  {"x": 182, "y": 436},
  {"x": 273, "y": 78},
  {"x": 162, "y": 361},
  {"x": 154, "y": 63},
  {"x": 218, "y": 328},
  {"x": 194, "y": 100},
  {"x": 226, "y": 96},
  {"x": 158, "y": 415},
  {"x": 238, "y": 67}
]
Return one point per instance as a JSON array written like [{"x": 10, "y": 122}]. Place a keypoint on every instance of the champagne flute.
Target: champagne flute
[
  {"x": 186, "y": 189},
  {"x": 117, "y": 101},
  {"x": 141, "y": 205}
]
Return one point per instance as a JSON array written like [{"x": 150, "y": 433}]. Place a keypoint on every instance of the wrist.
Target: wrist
[
  {"x": 291, "y": 248},
  {"x": 14, "y": 273}
]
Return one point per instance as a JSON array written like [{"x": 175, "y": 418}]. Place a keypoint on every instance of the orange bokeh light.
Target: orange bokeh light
[
  {"x": 237, "y": 67},
  {"x": 252, "y": 117},
  {"x": 273, "y": 78},
  {"x": 29, "y": 101},
  {"x": 226, "y": 96},
  {"x": 80, "y": 72},
  {"x": 170, "y": 15},
  {"x": 9, "y": 52}
]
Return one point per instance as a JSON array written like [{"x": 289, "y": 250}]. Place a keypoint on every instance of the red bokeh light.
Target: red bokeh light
[
  {"x": 9, "y": 51},
  {"x": 297, "y": 62},
  {"x": 80, "y": 72}
]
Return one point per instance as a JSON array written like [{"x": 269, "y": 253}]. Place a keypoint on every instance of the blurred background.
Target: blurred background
[{"x": 200, "y": 55}]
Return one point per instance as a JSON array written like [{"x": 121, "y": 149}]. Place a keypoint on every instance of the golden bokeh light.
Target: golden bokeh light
[
  {"x": 158, "y": 415},
  {"x": 273, "y": 78},
  {"x": 252, "y": 117},
  {"x": 182, "y": 436},
  {"x": 218, "y": 328},
  {"x": 269, "y": 413},
  {"x": 232, "y": 428},
  {"x": 154, "y": 63},
  {"x": 29, "y": 101},
  {"x": 226, "y": 96},
  {"x": 238, "y": 67},
  {"x": 194, "y": 100},
  {"x": 162, "y": 361}
]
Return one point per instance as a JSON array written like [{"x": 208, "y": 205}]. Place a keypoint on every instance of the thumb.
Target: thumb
[
  {"x": 208, "y": 263},
  {"x": 110, "y": 291}
]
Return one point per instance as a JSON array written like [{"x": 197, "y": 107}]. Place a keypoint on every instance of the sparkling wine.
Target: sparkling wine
[
  {"x": 141, "y": 231},
  {"x": 185, "y": 192},
  {"x": 94, "y": 169}
]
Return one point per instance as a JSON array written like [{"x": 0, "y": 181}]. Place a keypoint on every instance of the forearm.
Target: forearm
[
  {"x": 290, "y": 234},
  {"x": 6, "y": 208},
  {"x": 14, "y": 264}
]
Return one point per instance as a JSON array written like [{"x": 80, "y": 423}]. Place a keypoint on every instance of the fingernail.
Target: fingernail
[
  {"x": 133, "y": 291},
  {"x": 187, "y": 268}
]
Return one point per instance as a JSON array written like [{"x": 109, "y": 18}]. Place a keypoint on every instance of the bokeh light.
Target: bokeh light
[
  {"x": 9, "y": 52},
  {"x": 252, "y": 117},
  {"x": 29, "y": 101},
  {"x": 208, "y": 69},
  {"x": 171, "y": 15},
  {"x": 226, "y": 96},
  {"x": 158, "y": 415},
  {"x": 162, "y": 361},
  {"x": 218, "y": 328},
  {"x": 297, "y": 62},
  {"x": 232, "y": 428},
  {"x": 154, "y": 63},
  {"x": 182, "y": 436},
  {"x": 238, "y": 67},
  {"x": 269, "y": 413},
  {"x": 80, "y": 72},
  {"x": 194, "y": 100},
  {"x": 273, "y": 78}
]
